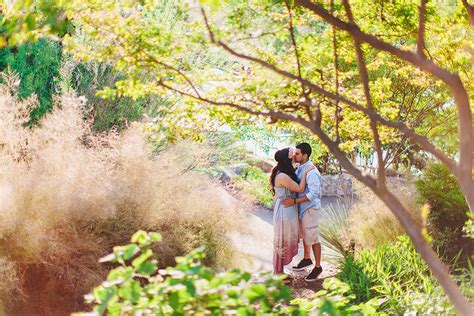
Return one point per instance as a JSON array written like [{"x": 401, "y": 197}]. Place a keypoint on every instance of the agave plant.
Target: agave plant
[{"x": 333, "y": 230}]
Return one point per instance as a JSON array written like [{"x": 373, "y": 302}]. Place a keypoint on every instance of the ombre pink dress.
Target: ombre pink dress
[{"x": 285, "y": 230}]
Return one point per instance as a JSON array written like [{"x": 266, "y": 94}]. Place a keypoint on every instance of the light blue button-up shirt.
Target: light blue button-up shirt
[{"x": 312, "y": 190}]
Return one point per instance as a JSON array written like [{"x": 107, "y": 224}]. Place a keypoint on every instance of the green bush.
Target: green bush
[
  {"x": 254, "y": 182},
  {"x": 38, "y": 66},
  {"x": 336, "y": 298},
  {"x": 137, "y": 286},
  {"x": 395, "y": 274},
  {"x": 448, "y": 208},
  {"x": 88, "y": 78}
]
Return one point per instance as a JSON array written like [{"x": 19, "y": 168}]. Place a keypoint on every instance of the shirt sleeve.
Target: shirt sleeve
[{"x": 314, "y": 186}]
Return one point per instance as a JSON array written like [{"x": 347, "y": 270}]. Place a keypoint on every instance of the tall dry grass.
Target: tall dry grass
[
  {"x": 68, "y": 195},
  {"x": 371, "y": 222}
]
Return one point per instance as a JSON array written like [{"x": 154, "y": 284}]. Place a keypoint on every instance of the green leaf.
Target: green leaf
[
  {"x": 129, "y": 251},
  {"x": 130, "y": 291},
  {"x": 139, "y": 236},
  {"x": 104, "y": 296},
  {"x": 156, "y": 237},
  {"x": 256, "y": 291},
  {"x": 147, "y": 268},
  {"x": 142, "y": 258}
]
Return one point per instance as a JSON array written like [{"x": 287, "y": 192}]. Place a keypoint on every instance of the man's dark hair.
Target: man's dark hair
[{"x": 305, "y": 148}]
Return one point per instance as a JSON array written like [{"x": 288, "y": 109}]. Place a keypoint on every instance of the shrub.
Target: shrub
[
  {"x": 371, "y": 221},
  {"x": 336, "y": 298},
  {"x": 254, "y": 183},
  {"x": 37, "y": 65},
  {"x": 68, "y": 194},
  {"x": 448, "y": 208},
  {"x": 397, "y": 275},
  {"x": 137, "y": 286},
  {"x": 118, "y": 112}
]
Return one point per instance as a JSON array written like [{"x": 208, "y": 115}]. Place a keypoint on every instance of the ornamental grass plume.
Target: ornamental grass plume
[
  {"x": 371, "y": 222},
  {"x": 69, "y": 194}
]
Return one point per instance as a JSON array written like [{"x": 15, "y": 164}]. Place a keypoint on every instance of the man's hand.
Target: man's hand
[{"x": 288, "y": 202}]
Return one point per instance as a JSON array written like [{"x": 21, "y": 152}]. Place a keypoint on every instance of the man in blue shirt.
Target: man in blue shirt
[{"x": 309, "y": 206}]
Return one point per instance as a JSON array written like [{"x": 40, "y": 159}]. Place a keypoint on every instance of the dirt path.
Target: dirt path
[{"x": 256, "y": 245}]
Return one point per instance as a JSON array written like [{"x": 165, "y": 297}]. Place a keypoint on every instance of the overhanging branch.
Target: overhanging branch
[
  {"x": 421, "y": 140},
  {"x": 364, "y": 76},
  {"x": 421, "y": 29}
]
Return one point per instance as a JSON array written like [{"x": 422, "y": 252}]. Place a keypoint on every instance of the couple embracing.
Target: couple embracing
[{"x": 297, "y": 210}]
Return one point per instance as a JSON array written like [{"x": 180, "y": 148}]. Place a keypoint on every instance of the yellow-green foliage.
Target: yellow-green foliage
[{"x": 68, "y": 195}]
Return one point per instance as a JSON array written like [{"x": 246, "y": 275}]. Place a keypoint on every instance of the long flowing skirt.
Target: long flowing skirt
[{"x": 285, "y": 235}]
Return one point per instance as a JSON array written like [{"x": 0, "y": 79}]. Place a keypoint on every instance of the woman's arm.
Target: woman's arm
[
  {"x": 302, "y": 185},
  {"x": 285, "y": 181}
]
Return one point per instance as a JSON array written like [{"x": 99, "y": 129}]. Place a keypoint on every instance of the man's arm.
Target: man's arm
[
  {"x": 292, "y": 201},
  {"x": 314, "y": 186}
]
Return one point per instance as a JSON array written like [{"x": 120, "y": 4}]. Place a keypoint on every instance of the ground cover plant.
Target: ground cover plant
[{"x": 390, "y": 279}]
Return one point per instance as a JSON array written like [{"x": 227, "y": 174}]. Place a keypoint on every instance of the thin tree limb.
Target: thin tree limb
[
  {"x": 421, "y": 29},
  {"x": 337, "y": 110},
  {"x": 470, "y": 11},
  {"x": 464, "y": 171},
  {"x": 297, "y": 57},
  {"x": 421, "y": 140},
  {"x": 364, "y": 76}
]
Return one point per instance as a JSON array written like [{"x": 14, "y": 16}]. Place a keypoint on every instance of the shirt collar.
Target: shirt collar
[
  {"x": 303, "y": 166},
  {"x": 307, "y": 163}
]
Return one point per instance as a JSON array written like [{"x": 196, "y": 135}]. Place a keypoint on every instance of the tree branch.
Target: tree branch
[
  {"x": 421, "y": 29},
  {"x": 277, "y": 115},
  {"x": 297, "y": 57},
  {"x": 292, "y": 36},
  {"x": 200, "y": 98},
  {"x": 453, "y": 81},
  {"x": 186, "y": 78},
  {"x": 470, "y": 11},
  {"x": 354, "y": 30},
  {"x": 337, "y": 111},
  {"x": 364, "y": 76},
  {"x": 422, "y": 141}
]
